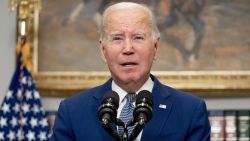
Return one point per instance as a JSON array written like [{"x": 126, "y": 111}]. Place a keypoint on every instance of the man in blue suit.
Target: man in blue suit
[{"x": 129, "y": 43}]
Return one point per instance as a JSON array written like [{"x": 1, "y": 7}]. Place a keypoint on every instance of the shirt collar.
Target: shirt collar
[{"x": 148, "y": 85}]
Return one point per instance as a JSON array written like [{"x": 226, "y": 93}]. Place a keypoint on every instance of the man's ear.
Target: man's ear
[
  {"x": 102, "y": 51},
  {"x": 157, "y": 48}
]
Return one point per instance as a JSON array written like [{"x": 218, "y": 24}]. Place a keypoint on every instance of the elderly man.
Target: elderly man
[{"x": 129, "y": 44}]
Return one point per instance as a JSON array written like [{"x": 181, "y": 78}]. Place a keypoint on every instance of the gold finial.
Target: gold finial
[
  {"x": 38, "y": 4},
  {"x": 13, "y": 5},
  {"x": 25, "y": 15}
]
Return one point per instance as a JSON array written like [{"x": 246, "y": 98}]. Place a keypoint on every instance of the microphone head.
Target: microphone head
[
  {"x": 144, "y": 96},
  {"x": 108, "y": 109},
  {"x": 111, "y": 97},
  {"x": 143, "y": 108}
]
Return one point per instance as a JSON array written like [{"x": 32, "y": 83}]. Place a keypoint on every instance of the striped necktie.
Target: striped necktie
[{"x": 127, "y": 113}]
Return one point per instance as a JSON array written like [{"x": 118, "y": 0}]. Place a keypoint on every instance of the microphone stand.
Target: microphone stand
[
  {"x": 138, "y": 128},
  {"x": 125, "y": 137},
  {"x": 125, "y": 133},
  {"x": 107, "y": 126}
]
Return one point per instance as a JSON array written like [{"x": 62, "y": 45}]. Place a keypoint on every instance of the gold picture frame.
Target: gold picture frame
[{"x": 203, "y": 83}]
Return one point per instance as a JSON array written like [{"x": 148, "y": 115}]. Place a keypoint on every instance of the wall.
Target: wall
[
  {"x": 7, "y": 46},
  {"x": 228, "y": 103}
]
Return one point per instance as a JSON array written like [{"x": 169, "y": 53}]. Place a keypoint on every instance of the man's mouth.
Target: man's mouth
[{"x": 129, "y": 64}]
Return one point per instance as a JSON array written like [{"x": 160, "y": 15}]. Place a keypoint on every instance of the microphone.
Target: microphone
[
  {"x": 142, "y": 112},
  {"x": 143, "y": 109},
  {"x": 107, "y": 113}
]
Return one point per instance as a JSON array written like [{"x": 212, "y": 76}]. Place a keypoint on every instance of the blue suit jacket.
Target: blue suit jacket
[{"x": 184, "y": 119}]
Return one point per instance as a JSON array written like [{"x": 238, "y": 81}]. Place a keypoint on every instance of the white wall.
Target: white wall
[
  {"x": 7, "y": 46},
  {"x": 228, "y": 103}
]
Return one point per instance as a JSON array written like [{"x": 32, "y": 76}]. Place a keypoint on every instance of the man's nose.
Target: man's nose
[{"x": 128, "y": 47}]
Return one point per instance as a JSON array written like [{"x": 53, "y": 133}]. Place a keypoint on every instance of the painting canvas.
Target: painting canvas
[
  {"x": 195, "y": 35},
  {"x": 204, "y": 49}
]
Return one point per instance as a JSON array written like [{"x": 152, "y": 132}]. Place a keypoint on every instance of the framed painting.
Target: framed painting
[{"x": 205, "y": 46}]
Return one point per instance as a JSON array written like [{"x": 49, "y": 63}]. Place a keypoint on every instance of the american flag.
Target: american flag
[{"x": 22, "y": 117}]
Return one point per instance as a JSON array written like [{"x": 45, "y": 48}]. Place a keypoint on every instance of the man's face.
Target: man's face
[{"x": 128, "y": 47}]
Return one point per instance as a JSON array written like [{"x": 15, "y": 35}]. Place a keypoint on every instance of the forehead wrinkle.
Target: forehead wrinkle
[
  {"x": 138, "y": 26},
  {"x": 135, "y": 16},
  {"x": 119, "y": 21}
]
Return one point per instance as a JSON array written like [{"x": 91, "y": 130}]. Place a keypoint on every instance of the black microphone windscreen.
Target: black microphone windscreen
[
  {"x": 142, "y": 112},
  {"x": 113, "y": 96},
  {"x": 144, "y": 94}
]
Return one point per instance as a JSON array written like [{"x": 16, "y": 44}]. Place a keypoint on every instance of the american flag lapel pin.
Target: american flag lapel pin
[{"x": 162, "y": 106}]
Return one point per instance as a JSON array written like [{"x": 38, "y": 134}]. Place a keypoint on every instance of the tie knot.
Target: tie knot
[{"x": 131, "y": 97}]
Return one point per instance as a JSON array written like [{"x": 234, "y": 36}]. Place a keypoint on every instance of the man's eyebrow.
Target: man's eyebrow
[
  {"x": 115, "y": 34},
  {"x": 140, "y": 33}
]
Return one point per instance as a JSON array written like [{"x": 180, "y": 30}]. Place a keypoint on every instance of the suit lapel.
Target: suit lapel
[{"x": 161, "y": 110}]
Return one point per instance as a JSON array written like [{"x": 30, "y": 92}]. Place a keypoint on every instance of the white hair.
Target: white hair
[{"x": 129, "y": 5}]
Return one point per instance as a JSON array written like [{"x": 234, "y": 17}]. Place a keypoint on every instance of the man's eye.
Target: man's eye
[
  {"x": 116, "y": 38},
  {"x": 139, "y": 38}
]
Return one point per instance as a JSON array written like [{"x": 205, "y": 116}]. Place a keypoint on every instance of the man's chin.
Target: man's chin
[{"x": 127, "y": 79}]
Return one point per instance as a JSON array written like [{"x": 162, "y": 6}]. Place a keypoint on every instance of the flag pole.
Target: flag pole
[{"x": 23, "y": 17}]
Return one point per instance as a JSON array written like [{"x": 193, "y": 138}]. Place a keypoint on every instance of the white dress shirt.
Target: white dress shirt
[{"x": 148, "y": 85}]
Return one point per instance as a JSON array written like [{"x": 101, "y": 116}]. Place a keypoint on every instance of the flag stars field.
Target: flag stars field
[
  {"x": 9, "y": 95},
  {"x": 14, "y": 122},
  {"x": 3, "y": 122},
  {"x": 31, "y": 136},
  {"x": 33, "y": 122},
  {"x": 6, "y": 108},
  {"x": 1, "y": 136},
  {"x": 11, "y": 135}
]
